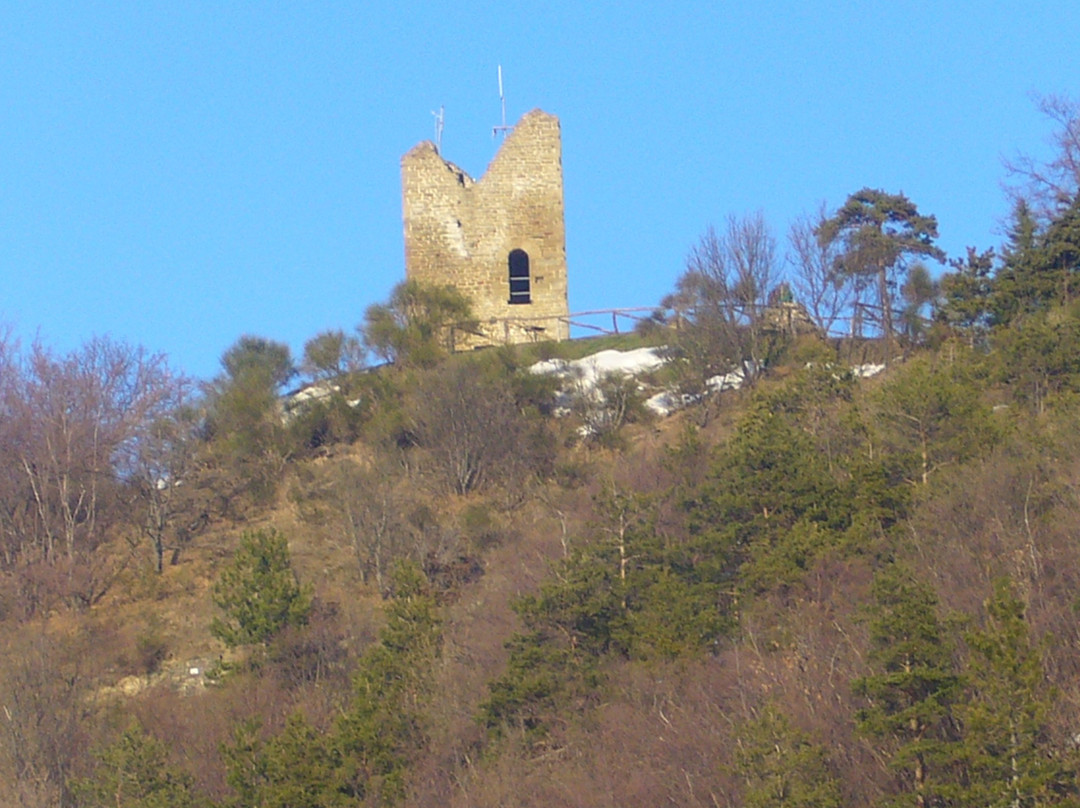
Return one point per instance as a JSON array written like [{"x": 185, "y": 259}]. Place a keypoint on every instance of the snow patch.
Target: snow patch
[
  {"x": 591, "y": 369},
  {"x": 583, "y": 377},
  {"x": 866, "y": 371},
  {"x": 316, "y": 391},
  {"x": 668, "y": 401}
]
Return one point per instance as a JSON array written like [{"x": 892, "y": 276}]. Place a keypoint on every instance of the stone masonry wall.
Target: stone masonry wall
[{"x": 461, "y": 231}]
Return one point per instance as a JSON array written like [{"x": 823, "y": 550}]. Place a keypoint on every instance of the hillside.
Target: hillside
[
  {"x": 453, "y": 580},
  {"x": 696, "y": 598}
]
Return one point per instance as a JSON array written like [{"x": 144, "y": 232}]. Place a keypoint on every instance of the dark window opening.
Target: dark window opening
[{"x": 519, "y": 277}]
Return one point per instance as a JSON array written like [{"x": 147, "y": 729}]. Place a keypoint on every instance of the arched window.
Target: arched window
[{"x": 519, "y": 277}]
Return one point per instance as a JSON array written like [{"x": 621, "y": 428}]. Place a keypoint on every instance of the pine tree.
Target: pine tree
[
  {"x": 966, "y": 295},
  {"x": 771, "y": 503},
  {"x": 878, "y": 232},
  {"x": 417, "y": 326},
  {"x": 258, "y": 592},
  {"x": 383, "y": 730},
  {"x": 363, "y": 759},
  {"x": 1012, "y": 290},
  {"x": 1042, "y": 268},
  {"x": 782, "y": 767},
  {"x": 933, "y": 414},
  {"x": 243, "y": 419},
  {"x": 1007, "y": 752},
  {"x": 294, "y": 769},
  {"x": 911, "y": 693},
  {"x": 1039, "y": 355},
  {"x": 134, "y": 772}
]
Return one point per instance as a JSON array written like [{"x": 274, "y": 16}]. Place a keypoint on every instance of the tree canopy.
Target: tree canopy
[
  {"x": 417, "y": 325},
  {"x": 878, "y": 232}
]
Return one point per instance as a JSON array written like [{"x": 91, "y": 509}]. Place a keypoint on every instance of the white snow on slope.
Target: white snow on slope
[
  {"x": 592, "y": 369},
  {"x": 866, "y": 371},
  {"x": 584, "y": 375},
  {"x": 668, "y": 401}
]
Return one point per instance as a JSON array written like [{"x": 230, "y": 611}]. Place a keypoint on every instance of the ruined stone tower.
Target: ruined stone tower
[{"x": 500, "y": 239}]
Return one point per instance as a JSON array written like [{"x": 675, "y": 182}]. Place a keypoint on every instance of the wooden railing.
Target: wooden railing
[
  {"x": 862, "y": 322},
  {"x": 634, "y": 315}
]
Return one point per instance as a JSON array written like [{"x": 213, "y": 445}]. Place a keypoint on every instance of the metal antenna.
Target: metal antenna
[
  {"x": 503, "y": 128},
  {"x": 440, "y": 122}
]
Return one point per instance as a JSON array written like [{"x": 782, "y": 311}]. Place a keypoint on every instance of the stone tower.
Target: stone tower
[{"x": 500, "y": 239}]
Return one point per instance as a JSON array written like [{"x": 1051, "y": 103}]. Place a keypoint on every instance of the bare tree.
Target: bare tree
[
  {"x": 77, "y": 416},
  {"x": 44, "y": 712},
  {"x": 472, "y": 428},
  {"x": 606, "y": 404},
  {"x": 371, "y": 517},
  {"x": 16, "y": 503},
  {"x": 822, "y": 289},
  {"x": 720, "y": 305},
  {"x": 161, "y": 466},
  {"x": 1049, "y": 187}
]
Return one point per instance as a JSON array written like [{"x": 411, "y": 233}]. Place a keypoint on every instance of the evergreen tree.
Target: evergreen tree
[
  {"x": 1010, "y": 760},
  {"x": 782, "y": 767},
  {"x": 877, "y": 233},
  {"x": 134, "y": 772},
  {"x": 918, "y": 292},
  {"x": 330, "y": 355},
  {"x": 1039, "y": 355},
  {"x": 259, "y": 357},
  {"x": 244, "y": 423},
  {"x": 1042, "y": 268},
  {"x": 417, "y": 326},
  {"x": 911, "y": 693},
  {"x": 1011, "y": 292},
  {"x": 383, "y": 730},
  {"x": 627, "y": 592},
  {"x": 931, "y": 412},
  {"x": 966, "y": 295},
  {"x": 293, "y": 769},
  {"x": 258, "y": 593},
  {"x": 365, "y": 756},
  {"x": 771, "y": 503},
  {"x": 770, "y": 474},
  {"x": 1062, "y": 249}
]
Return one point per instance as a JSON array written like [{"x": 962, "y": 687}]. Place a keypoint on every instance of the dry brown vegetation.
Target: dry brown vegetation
[
  {"x": 655, "y": 732},
  {"x": 818, "y": 590}
]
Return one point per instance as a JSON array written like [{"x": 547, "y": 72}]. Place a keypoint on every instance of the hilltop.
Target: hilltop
[{"x": 450, "y": 579}]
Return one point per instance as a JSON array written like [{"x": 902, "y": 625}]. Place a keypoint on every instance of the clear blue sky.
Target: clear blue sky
[{"x": 176, "y": 174}]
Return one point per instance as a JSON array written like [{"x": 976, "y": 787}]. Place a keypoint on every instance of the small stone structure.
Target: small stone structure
[{"x": 500, "y": 240}]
